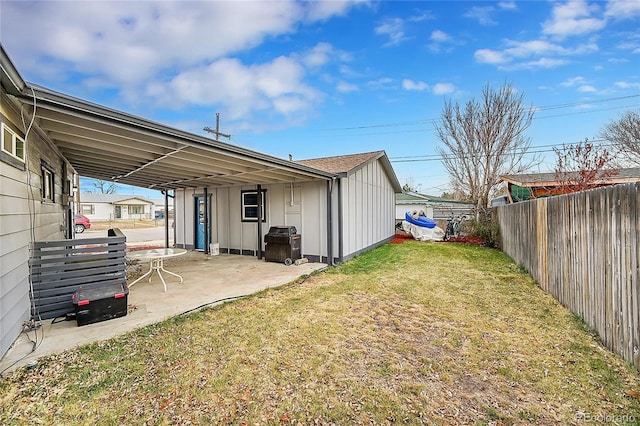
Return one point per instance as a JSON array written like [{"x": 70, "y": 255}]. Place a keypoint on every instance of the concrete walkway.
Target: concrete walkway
[{"x": 207, "y": 280}]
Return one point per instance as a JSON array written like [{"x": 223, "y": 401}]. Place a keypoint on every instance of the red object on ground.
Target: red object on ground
[
  {"x": 401, "y": 237},
  {"x": 467, "y": 240}
]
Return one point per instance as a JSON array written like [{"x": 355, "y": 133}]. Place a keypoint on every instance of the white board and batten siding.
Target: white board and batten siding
[
  {"x": 299, "y": 204},
  {"x": 24, "y": 217},
  {"x": 368, "y": 200},
  {"x": 368, "y": 209}
]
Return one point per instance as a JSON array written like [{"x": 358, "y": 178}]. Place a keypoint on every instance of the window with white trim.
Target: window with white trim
[
  {"x": 48, "y": 185},
  {"x": 87, "y": 209},
  {"x": 136, "y": 209},
  {"x": 250, "y": 205},
  {"x": 12, "y": 143}
]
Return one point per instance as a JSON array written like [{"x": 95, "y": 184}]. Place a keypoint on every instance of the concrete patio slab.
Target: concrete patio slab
[{"x": 207, "y": 280}]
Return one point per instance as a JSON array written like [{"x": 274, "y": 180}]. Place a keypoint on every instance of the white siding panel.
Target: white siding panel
[
  {"x": 14, "y": 305},
  {"x": 368, "y": 208},
  {"x": 214, "y": 193},
  {"x": 223, "y": 213},
  {"x": 314, "y": 219},
  {"x": 235, "y": 219},
  {"x": 292, "y": 195},
  {"x": 24, "y": 217}
]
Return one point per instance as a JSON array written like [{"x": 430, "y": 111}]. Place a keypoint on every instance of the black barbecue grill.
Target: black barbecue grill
[{"x": 282, "y": 244}]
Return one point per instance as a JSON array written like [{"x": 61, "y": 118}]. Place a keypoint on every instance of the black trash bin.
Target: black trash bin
[{"x": 282, "y": 244}]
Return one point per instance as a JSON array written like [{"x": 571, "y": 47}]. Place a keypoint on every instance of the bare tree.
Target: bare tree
[
  {"x": 625, "y": 134},
  {"x": 104, "y": 186},
  {"x": 583, "y": 166},
  {"x": 410, "y": 185},
  {"x": 483, "y": 140}
]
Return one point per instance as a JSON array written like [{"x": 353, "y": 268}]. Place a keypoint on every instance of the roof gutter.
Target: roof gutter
[{"x": 11, "y": 79}]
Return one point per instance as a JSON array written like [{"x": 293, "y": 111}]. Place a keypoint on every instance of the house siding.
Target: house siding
[
  {"x": 368, "y": 208},
  {"x": 235, "y": 236},
  {"x": 313, "y": 216},
  {"x": 368, "y": 200},
  {"x": 105, "y": 210},
  {"x": 23, "y": 217}
]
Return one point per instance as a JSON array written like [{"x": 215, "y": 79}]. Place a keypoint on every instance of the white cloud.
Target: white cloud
[
  {"x": 587, "y": 89},
  {"x": 443, "y": 88},
  {"x": 319, "y": 55},
  {"x": 623, "y": 9},
  {"x": 394, "y": 29},
  {"x": 414, "y": 85},
  {"x": 544, "y": 63},
  {"x": 439, "y": 36},
  {"x": 130, "y": 41},
  {"x": 483, "y": 14},
  {"x": 321, "y": 10},
  {"x": 627, "y": 85},
  {"x": 239, "y": 89},
  {"x": 441, "y": 41},
  {"x": 507, "y": 5},
  {"x": 173, "y": 55},
  {"x": 573, "y": 18},
  {"x": 573, "y": 81},
  {"x": 489, "y": 56},
  {"x": 381, "y": 83},
  {"x": 546, "y": 52},
  {"x": 344, "y": 87}
]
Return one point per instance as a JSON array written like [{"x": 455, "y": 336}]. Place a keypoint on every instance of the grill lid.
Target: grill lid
[{"x": 282, "y": 231}]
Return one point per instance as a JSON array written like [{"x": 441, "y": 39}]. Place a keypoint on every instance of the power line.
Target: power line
[
  {"x": 542, "y": 108},
  {"x": 437, "y": 157},
  {"x": 432, "y": 129}
]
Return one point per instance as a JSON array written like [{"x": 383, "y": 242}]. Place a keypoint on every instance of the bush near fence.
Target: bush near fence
[{"x": 582, "y": 248}]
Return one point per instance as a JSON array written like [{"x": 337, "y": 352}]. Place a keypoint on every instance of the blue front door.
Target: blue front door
[{"x": 200, "y": 223}]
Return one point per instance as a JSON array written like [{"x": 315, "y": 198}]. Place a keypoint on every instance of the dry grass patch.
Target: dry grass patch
[
  {"x": 416, "y": 333},
  {"x": 103, "y": 225}
]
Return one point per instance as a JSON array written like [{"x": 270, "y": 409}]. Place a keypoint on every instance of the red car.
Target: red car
[{"x": 81, "y": 223}]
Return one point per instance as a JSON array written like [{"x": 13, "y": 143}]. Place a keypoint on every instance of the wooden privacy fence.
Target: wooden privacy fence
[
  {"x": 582, "y": 248},
  {"x": 57, "y": 269}
]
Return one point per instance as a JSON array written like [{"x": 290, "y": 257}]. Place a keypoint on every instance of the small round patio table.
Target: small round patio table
[{"x": 156, "y": 259}]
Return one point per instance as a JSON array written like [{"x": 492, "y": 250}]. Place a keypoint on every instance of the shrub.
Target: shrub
[{"x": 486, "y": 228}]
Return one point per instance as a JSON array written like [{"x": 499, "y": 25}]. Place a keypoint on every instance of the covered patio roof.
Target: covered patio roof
[{"x": 111, "y": 145}]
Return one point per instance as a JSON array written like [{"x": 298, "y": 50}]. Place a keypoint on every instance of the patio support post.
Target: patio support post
[
  {"x": 166, "y": 218},
  {"x": 259, "y": 191},
  {"x": 206, "y": 221}
]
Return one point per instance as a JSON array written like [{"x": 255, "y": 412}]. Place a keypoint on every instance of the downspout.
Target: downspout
[
  {"x": 340, "y": 223},
  {"x": 206, "y": 221},
  {"x": 330, "y": 261},
  {"x": 259, "y": 191}
]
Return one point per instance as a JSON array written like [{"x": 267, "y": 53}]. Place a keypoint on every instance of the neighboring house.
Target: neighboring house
[
  {"x": 524, "y": 187},
  {"x": 223, "y": 193},
  {"x": 436, "y": 208},
  {"x": 159, "y": 208},
  {"x": 97, "y": 206},
  {"x": 337, "y": 218}
]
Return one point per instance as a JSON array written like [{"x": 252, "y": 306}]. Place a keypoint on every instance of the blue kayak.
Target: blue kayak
[{"x": 423, "y": 221}]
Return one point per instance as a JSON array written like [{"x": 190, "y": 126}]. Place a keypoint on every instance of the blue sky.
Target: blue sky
[{"x": 315, "y": 79}]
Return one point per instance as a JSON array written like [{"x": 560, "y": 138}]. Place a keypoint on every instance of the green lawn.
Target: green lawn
[{"x": 413, "y": 333}]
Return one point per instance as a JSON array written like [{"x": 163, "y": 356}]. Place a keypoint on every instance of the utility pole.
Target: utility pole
[{"x": 217, "y": 131}]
